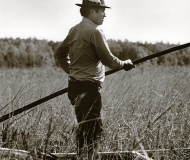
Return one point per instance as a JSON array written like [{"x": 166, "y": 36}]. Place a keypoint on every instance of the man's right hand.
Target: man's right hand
[{"x": 128, "y": 65}]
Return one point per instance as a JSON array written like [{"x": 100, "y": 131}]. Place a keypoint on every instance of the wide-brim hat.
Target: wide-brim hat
[{"x": 93, "y": 3}]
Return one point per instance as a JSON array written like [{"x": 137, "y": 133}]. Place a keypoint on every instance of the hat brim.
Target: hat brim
[{"x": 101, "y": 6}]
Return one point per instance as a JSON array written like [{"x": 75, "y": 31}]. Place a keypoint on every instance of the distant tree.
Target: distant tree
[
  {"x": 115, "y": 48},
  {"x": 129, "y": 50},
  {"x": 12, "y": 56},
  {"x": 2, "y": 61}
]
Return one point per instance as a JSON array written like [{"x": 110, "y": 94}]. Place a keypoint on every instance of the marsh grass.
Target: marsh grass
[{"x": 142, "y": 110}]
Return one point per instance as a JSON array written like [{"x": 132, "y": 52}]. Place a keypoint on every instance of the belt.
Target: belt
[{"x": 71, "y": 79}]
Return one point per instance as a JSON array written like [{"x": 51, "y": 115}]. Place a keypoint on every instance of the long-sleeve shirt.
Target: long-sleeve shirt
[{"x": 85, "y": 51}]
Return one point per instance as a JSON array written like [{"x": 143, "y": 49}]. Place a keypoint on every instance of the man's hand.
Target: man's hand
[{"x": 128, "y": 65}]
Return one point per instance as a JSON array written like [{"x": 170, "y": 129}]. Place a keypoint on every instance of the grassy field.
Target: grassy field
[{"x": 145, "y": 108}]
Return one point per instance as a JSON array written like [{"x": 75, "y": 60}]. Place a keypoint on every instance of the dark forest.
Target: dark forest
[{"x": 31, "y": 52}]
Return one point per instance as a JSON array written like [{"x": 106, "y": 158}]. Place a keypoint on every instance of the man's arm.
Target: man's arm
[
  {"x": 103, "y": 51},
  {"x": 62, "y": 55}
]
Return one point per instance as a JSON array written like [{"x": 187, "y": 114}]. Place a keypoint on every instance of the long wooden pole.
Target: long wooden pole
[{"x": 63, "y": 91}]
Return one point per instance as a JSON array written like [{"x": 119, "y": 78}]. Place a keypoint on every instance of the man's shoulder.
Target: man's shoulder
[
  {"x": 75, "y": 27},
  {"x": 90, "y": 29},
  {"x": 98, "y": 31}
]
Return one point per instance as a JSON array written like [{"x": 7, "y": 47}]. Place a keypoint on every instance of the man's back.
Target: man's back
[{"x": 84, "y": 61}]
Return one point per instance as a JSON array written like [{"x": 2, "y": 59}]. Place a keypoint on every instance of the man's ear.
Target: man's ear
[{"x": 91, "y": 11}]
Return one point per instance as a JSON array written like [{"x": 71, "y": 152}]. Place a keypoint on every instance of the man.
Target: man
[{"x": 82, "y": 55}]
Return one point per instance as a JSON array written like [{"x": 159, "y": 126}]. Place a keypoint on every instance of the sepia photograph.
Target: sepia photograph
[{"x": 94, "y": 80}]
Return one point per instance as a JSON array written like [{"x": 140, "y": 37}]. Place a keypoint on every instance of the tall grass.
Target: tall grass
[{"x": 142, "y": 109}]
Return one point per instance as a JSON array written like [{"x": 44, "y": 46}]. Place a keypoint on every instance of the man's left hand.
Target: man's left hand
[{"x": 128, "y": 65}]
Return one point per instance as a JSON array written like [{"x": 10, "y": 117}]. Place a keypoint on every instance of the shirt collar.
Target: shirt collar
[{"x": 86, "y": 20}]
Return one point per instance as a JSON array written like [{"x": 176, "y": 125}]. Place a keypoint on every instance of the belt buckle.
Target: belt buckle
[{"x": 72, "y": 79}]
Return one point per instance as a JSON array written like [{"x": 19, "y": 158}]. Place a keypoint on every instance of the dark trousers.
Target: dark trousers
[{"x": 86, "y": 97}]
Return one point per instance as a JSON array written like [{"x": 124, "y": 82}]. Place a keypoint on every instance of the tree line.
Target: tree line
[{"x": 31, "y": 52}]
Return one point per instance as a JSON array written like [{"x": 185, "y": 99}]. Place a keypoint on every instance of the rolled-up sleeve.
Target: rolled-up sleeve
[
  {"x": 62, "y": 55},
  {"x": 102, "y": 49}
]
